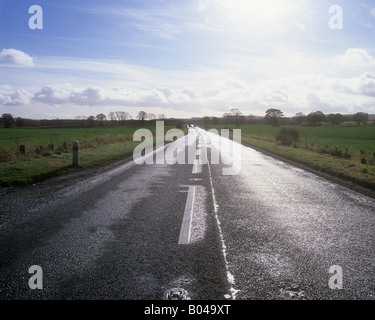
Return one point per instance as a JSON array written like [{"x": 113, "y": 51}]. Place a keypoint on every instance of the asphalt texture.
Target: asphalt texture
[{"x": 271, "y": 231}]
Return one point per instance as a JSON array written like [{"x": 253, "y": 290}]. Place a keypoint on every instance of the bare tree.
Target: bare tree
[
  {"x": 228, "y": 118},
  {"x": 151, "y": 116},
  {"x": 112, "y": 116},
  {"x": 237, "y": 115},
  {"x": 233, "y": 116},
  {"x": 101, "y": 117},
  {"x": 122, "y": 115},
  {"x": 161, "y": 116},
  {"x": 142, "y": 116}
]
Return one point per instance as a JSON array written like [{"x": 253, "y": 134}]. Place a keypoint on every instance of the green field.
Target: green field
[
  {"x": 353, "y": 138},
  {"x": 45, "y": 142},
  {"x": 49, "y": 151}
]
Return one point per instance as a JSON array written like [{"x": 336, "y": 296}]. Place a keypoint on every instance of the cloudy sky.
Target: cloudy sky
[{"x": 186, "y": 58}]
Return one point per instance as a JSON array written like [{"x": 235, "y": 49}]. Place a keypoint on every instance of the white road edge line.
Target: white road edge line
[
  {"x": 185, "y": 232},
  {"x": 230, "y": 276}
]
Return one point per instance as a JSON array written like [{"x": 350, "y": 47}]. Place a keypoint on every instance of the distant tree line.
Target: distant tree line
[
  {"x": 114, "y": 118},
  {"x": 317, "y": 118},
  {"x": 234, "y": 116},
  {"x": 275, "y": 117}
]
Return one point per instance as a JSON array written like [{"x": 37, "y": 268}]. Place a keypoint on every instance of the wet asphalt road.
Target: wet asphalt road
[{"x": 270, "y": 231}]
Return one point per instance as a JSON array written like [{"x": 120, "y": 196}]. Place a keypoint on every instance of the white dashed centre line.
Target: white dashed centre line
[{"x": 185, "y": 232}]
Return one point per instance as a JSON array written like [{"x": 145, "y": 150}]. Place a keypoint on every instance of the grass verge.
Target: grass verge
[
  {"x": 98, "y": 147},
  {"x": 35, "y": 170},
  {"x": 348, "y": 169}
]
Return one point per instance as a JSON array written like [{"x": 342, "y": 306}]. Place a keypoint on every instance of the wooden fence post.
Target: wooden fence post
[{"x": 75, "y": 153}]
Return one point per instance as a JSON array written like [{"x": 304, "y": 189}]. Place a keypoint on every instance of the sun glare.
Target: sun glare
[{"x": 258, "y": 13}]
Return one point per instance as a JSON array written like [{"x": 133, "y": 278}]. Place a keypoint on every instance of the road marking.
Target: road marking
[
  {"x": 230, "y": 276},
  {"x": 185, "y": 232},
  {"x": 194, "y": 224},
  {"x": 197, "y": 167},
  {"x": 184, "y": 188}
]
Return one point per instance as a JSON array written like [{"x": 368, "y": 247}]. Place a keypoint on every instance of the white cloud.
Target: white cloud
[
  {"x": 89, "y": 96},
  {"x": 16, "y": 57},
  {"x": 363, "y": 85},
  {"x": 10, "y": 97},
  {"x": 276, "y": 96},
  {"x": 355, "y": 57},
  {"x": 291, "y": 95},
  {"x": 192, "y": 94},
  {"x": 366, "y": 84},
  {"x": 165, "y": 90},
  {"x": 52, "y": 95},
  {"x": 96, "y": 96}
]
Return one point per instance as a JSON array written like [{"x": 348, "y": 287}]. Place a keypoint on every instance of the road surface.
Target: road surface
[{"x": 268, "y": 230}]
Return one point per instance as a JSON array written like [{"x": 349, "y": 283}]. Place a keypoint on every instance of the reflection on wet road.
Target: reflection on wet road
[{"x": 264, "y": 230}]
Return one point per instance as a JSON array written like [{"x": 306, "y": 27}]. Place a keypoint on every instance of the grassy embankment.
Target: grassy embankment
[
  {"x": 346, "y": 152},
  {"x": 49, "y": 151}
]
